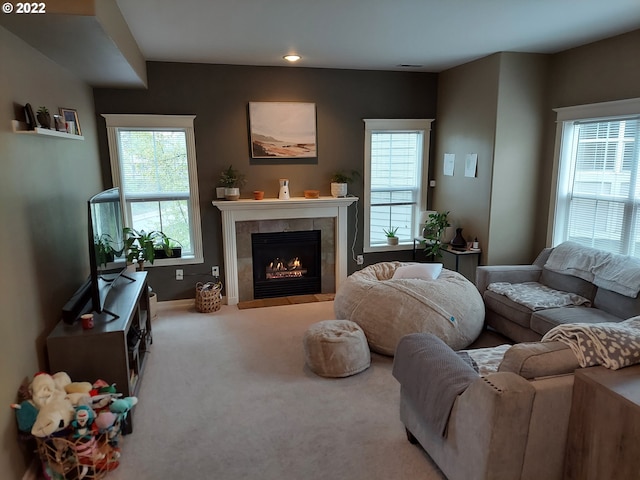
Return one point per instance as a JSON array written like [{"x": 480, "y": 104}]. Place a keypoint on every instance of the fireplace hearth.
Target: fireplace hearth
[{"x": 286, "y": 263}]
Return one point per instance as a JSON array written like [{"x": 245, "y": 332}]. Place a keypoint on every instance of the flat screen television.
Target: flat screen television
[{"x": 106, "y": 245}]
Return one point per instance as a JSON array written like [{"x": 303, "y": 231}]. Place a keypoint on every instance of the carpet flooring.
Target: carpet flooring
[{"x": 227, "y": 396}]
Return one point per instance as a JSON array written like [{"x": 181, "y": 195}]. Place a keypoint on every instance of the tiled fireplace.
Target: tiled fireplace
[{"x": 242, "y": 218}]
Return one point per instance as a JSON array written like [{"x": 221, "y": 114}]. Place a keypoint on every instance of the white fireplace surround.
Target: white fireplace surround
[{"x": 274, "y": 209}]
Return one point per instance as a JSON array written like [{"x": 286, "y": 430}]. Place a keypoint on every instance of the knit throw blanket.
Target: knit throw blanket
[
  {"x": 612, "y": 345},
  {"x": 536, "y": 296}
]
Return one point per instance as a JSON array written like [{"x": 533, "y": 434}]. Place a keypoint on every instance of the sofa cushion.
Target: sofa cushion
[
  {"x": 507, "y": 308},
  {"x": 544, "y": 320},
  {"x": 539, "y": 359},
  {"x": 616, "y": 304},
  {"x": 568, "y": 283}
]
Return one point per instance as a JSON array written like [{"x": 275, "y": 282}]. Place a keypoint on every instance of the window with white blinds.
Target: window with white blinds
[
  {"x": 153, "y": 161},
  {"x": 396, "y": 156},
  {"x": 598, "y": 199}
]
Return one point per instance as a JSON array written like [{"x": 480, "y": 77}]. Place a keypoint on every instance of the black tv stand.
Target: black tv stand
[{"x": 115, "y": 349}]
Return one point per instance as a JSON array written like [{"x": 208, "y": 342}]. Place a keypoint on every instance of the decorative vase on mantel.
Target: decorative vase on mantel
[
  {"x": 232, "y": 193},
  {"x": 458, "y": 242}
]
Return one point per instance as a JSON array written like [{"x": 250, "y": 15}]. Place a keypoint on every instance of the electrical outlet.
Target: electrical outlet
[
  {"x": 360, "y": 259},
  {"x": 215, "y": 271},
  {"x": 179, "y": 274}
]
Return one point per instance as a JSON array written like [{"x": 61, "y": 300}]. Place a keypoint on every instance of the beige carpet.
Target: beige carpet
[{"x": 227, "y": 396}]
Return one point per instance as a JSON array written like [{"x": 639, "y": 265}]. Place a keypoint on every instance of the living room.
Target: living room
[{"x": 497, "y": 106}]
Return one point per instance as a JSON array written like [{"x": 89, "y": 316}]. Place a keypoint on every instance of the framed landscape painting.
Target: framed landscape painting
[{"x": 282, "y": 129}]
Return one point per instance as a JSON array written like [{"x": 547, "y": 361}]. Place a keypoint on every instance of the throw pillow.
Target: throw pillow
[{"x": 422, "y": 271}]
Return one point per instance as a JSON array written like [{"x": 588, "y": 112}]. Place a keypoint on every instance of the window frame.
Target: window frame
[
  {"x": 395, "y": 125},
  {"x": 114, "y": 123},
  {"x": 566, "y": 118}
]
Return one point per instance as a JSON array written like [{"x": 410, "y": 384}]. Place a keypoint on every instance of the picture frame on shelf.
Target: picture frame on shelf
[
  {"x": 71, "y": 120},
  {"x": 282, "y": 130}
]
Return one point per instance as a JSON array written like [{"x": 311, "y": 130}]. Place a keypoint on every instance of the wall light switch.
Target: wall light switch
[{"x": 179, "y": 274}]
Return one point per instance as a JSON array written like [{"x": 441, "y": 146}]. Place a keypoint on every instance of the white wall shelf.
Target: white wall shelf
[{"x": 21, "y": 127}]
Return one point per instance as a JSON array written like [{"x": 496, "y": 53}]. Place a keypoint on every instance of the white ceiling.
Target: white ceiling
[{"x": 368, "y": 34}]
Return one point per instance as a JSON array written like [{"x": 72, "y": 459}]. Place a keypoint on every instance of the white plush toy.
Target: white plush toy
[{"x": 55, "y": 410}]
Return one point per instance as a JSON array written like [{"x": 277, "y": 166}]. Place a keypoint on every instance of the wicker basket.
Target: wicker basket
[
  {"x": 62, "y": 458},
  {"x": 208, "y": 297}
]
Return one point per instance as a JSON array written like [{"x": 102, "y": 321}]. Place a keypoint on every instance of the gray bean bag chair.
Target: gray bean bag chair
[{"x": 424, "y": 298}]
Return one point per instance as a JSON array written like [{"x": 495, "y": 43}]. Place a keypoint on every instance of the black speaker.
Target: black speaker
[{"x": 77, "y": 303}]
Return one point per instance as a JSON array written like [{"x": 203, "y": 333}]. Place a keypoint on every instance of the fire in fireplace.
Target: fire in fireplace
[{"x": 286, "y": 263}]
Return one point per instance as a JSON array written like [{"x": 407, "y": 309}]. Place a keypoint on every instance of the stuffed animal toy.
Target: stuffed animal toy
[
  {"x": 123, "y": 405},
  {"x": 102, "y": 401},
  {"x": 78, "y": 387},
  {"x": 78, "y": 393},
  {"x": 55, "y": 411},
  {"x": 55, "y": 415},
  {"x": 26, "y": 414},
  {"x": 43, "y": 389},
  {"x": 83, "y": 422}
]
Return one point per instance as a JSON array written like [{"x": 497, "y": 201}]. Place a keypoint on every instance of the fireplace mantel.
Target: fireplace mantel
[{"x": 274, "y": 209}]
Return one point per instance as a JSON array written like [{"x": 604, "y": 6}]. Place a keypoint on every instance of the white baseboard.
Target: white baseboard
[{"x": 182, "y": 303}]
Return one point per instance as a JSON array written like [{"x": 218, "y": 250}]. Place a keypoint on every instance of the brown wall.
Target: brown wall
[
  {"x": 219, "y": 95},
  {"x": 603, "y": 71},
  {"x": 501, "y": 108},
  {"x": 44, "y": 186},
  {"x": 466, "y": 123}
]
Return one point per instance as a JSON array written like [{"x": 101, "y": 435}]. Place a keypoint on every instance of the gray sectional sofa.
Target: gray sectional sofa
[
  {"x": 503, "y": 413},
  {"x": 524, "y": 324}
]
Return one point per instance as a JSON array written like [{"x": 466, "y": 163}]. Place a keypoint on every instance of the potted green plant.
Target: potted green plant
[
  {"x": 166, "y": 247},
  {"x": 104, "y": 251},
  {"x": 141, "y": 246},
  {"x": 231, "y": 179},
  {"x": 392, "y": 238},
  {"x": 434, "y": 229},
  {"x": 43, "y": 117},
  {"x": 340, "y": 181}
]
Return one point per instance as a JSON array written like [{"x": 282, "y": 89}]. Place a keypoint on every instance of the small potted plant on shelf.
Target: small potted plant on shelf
[
  {"x": 390, "y": 233},
  {"x": 231, "y": 179},
  {"x": 141, "y": 246},
  {"x": 166, "y": 247},
  {"x": 340, "y": 181},
  {"x": 44, "y": 117},
  {"x": 434, "y": 229}
]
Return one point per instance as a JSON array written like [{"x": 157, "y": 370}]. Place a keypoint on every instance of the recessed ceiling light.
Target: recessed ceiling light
[{"x": 292, "y": 58}]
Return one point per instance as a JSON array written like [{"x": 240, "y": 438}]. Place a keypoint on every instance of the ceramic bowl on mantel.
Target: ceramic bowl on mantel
[{"x": 312, "y": 194}]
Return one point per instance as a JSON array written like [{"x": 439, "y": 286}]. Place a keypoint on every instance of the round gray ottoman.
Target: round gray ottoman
[{"x": 336, "y": 348}]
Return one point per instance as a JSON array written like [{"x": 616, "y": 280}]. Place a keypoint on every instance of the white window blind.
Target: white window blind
[
  {"x": 396, "y": 155},
  {"x": 155, "y": 182},
  {"x": 396, "y": 159},
  {"x": 602, "y": 199}
]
